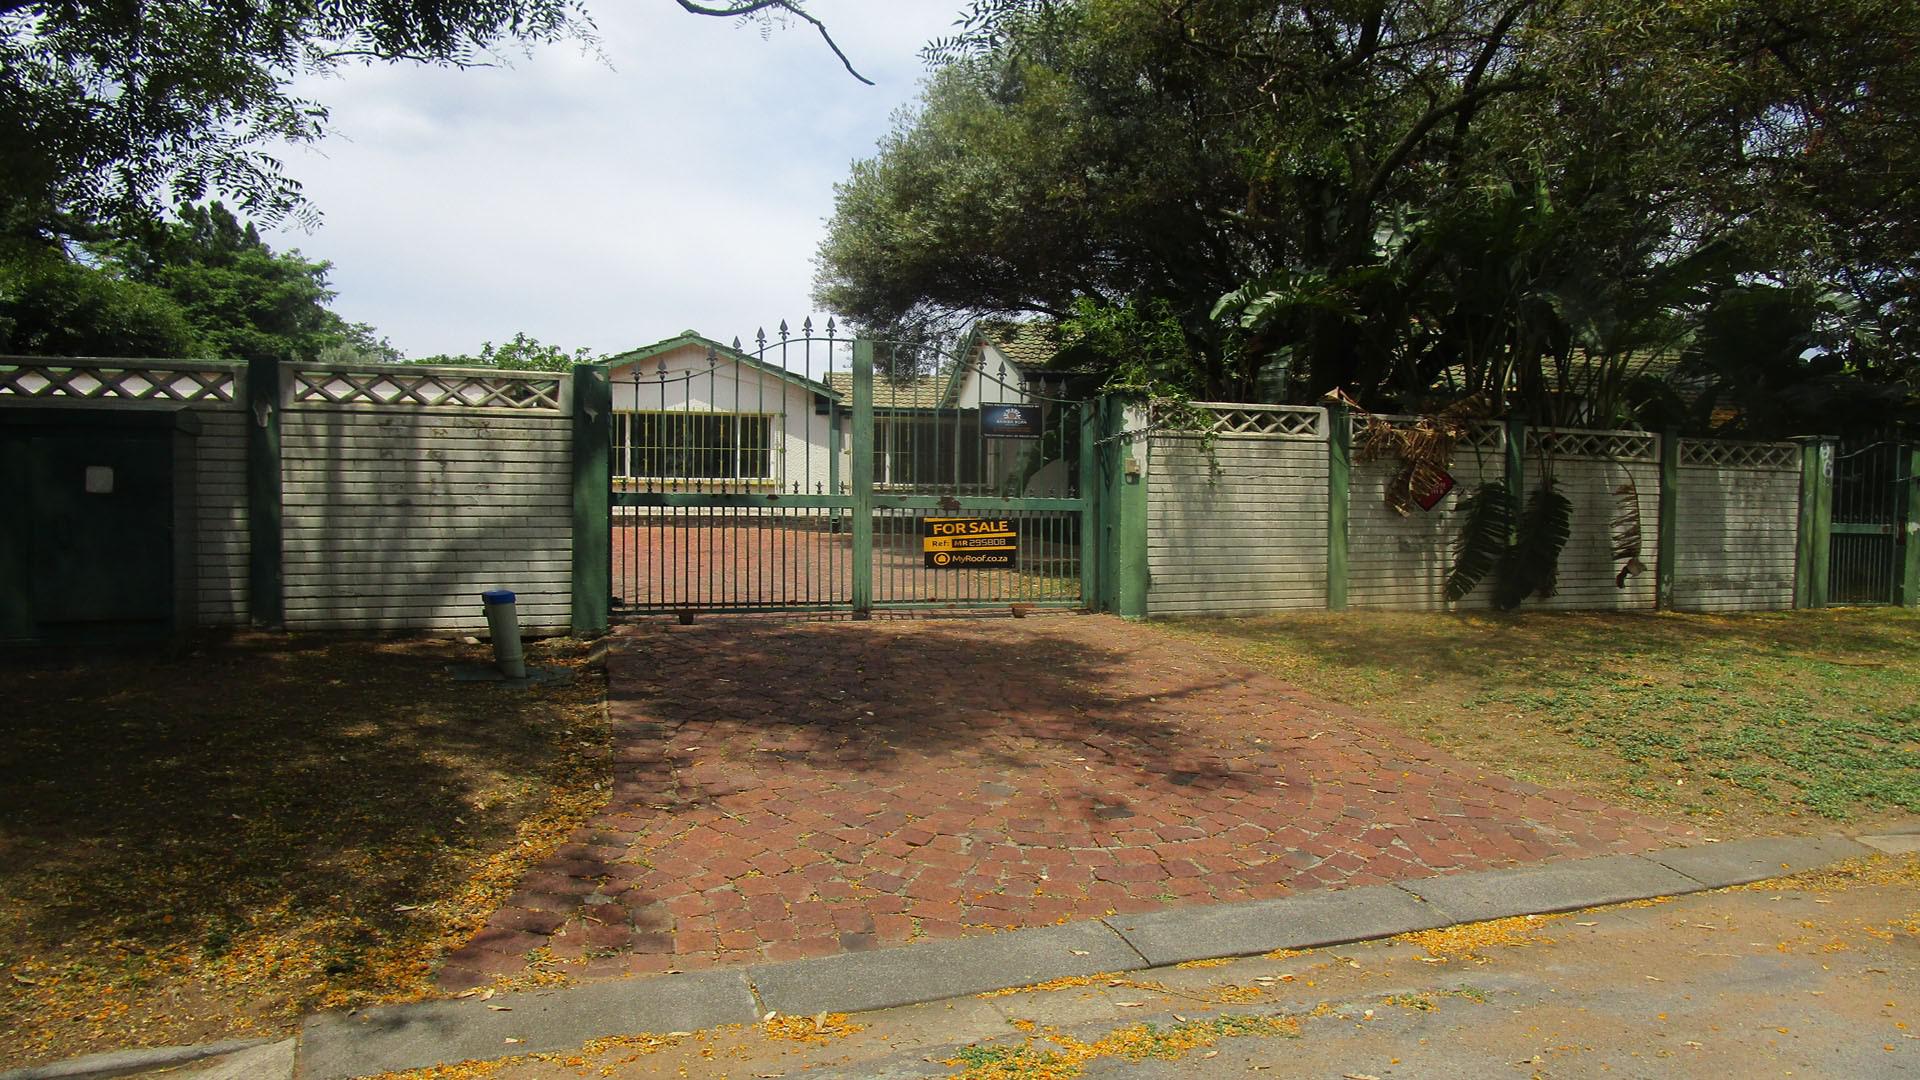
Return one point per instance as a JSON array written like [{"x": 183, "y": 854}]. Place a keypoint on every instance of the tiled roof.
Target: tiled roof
[
  {"x": 1657, "y": 364},
  {"x": 1031, "y": 345},
  {"x": 922, "y": 392}
]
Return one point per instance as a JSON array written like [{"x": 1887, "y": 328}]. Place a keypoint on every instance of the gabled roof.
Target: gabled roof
[
  {"x": 726, "y": 352},
  {"x": 1028, "y": 346}
]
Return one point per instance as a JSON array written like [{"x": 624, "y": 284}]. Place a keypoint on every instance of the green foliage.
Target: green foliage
[
  {"x": 522, "y": 353},
  {"x": 1404, "y": 200},
  {"x": 243, "y": 299},
  {"x": 1141, "y": 347},
  {"x": 52, "y": 307},
  {"x": 111, "y": 110},
  {"x": 204, "y": 285}
]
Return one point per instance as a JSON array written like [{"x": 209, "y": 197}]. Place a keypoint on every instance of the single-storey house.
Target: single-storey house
[{"x": 690, "y": 413}]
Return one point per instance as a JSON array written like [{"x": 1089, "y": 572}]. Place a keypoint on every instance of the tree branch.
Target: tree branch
[{"x": 751, "y": 7}]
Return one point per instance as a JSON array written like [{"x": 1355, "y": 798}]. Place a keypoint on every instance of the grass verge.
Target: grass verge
[
  {"x": 1747, "y": 723},
  {"x": 206, "y": 845}
]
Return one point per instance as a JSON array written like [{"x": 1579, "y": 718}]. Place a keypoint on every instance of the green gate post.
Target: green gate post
[
  {"x": 862, "y": 469},
  {"x": 1667, "y": 550},
  {"x": 1124, "y": 510},
  {"x": 592, "y": 500},
  {"x": 1339, "y": 481},
  {"x": 1091, "y": 490},
  {"x": 266, "y": 576},
  {"x": 1910, "y": 527},
  {"x": 1816, "y": 523}
]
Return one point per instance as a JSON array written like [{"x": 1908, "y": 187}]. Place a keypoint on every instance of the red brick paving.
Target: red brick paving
[
  {"x": 788, "y": 789},
  {"x": 795, "y": 557}
]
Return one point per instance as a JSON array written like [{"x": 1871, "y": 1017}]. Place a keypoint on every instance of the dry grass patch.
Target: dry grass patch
[{"x": 205, "y": 845}]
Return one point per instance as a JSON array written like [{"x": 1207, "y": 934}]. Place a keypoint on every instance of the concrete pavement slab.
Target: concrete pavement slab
[
  {"x": 885, "y": 978},
  {"x": 1539, "y": 890},
  {"x": 1894, "y": 843},
  {"x": 334, "y": 1046},
  {"x": 1295, "y": 922},
  {"x": 1737, "y": 862}
]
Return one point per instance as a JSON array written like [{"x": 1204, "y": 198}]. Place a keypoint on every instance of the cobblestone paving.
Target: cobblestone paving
[{"x": 792, "y": 789}]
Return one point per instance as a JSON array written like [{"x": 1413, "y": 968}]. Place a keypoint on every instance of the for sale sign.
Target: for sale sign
[{"x": 951, "y": 543}]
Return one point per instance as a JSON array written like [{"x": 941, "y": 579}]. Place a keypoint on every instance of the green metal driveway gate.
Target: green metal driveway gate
[{"x": 794, "y": 478}]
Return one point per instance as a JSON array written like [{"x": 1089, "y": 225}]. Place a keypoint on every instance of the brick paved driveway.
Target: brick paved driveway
[{"x": 789, "y": 789}]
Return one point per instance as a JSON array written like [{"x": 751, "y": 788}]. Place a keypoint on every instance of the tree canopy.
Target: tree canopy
[
  {"x": 203, "y": 285},
  {"x": 111, "y": 112},
  {"x": 1494, "y": 196}
]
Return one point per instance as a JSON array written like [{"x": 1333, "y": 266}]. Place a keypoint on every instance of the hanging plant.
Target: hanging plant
[
  {"x": 1522, "y": 554},
  {"x": 1423, "y": 448},
  {"x": 1626, "y": 529},
  {"x": 1531, "y": 566},
  {"x": 1487, "y": 521}
]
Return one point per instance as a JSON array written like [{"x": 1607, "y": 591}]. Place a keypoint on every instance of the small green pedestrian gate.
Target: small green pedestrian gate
[
  {"x": 795, "y": 477},
  {"x": 1873, "y": 492}
]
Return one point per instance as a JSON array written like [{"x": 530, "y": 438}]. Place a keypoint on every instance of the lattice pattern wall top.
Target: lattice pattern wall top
[
  {"x": 1739, "y": 455},
  {"x": 1264, "y": 421},
  {"x": 121, "y": 380},
  {"x": 428, "y": 388},
  {"x": 1612, "y": 445}
]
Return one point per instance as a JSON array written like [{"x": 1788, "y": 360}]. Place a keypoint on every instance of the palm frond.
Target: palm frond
[
  {"x": 1626, "y": 531},
  {"x": 1531, "y": 565},
  {"x": 1487, "y": 515}
]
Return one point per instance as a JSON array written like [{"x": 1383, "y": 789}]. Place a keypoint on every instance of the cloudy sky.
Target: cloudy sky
[{"x": 682, "y": 183}]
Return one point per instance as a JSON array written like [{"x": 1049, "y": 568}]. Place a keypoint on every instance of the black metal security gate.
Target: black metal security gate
[{"x": 1870, "y": 496}]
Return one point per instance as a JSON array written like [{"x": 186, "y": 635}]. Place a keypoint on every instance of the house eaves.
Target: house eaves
[{"x": 689, "y": 337}]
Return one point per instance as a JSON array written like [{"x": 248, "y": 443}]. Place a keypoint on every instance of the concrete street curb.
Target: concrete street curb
[
  {"x": 337, "y": 1046},
  {"x": 128, "y": 1062}
]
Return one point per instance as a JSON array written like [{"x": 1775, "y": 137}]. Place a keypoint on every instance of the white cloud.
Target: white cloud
[{"x": 684, "y": 186}]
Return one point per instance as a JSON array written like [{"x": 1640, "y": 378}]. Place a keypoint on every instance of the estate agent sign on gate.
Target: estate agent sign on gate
[
  {"x": 1010, "y": 421},
  {"x": 955, "y": 542}
]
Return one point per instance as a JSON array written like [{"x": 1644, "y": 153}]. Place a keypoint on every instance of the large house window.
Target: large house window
[
  {"x": 693, "y": 446},
  {"x": 937, "y": 450}
]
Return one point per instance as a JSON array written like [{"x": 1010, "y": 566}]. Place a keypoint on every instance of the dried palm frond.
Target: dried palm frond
[{"x": 1626, "y": 530}]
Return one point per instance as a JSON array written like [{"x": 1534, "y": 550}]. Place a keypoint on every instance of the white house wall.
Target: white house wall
[
  {"x": 976, "y": 389},
  {"x": 800, "y": 438}
]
